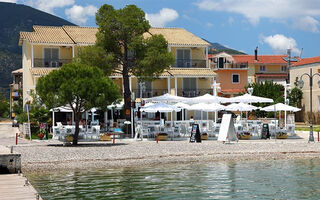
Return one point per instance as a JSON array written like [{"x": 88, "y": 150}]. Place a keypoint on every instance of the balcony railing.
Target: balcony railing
[
  {"x": 41, "y": 62},
  {"x": 193, "y": 92},
  {"x": 230, "y": 66},
  {"x": 149, "y": 93},
  {"x": 189, "y": 63}
]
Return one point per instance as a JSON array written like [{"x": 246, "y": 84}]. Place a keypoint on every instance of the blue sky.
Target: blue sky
[{"x": 272, "y": 25}]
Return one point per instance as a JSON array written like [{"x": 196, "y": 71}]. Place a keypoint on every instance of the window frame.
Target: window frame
[
  {"x": 263, "y": 67},
  {"x": 235, "y": 74}
]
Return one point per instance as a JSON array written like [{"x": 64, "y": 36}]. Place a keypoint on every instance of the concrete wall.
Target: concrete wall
[
  {"x": 224, "y": 77},
  {"x": 297, "y": 72}
]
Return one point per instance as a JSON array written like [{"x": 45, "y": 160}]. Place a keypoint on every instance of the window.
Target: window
[
  {"x": 262, "y": 68},
  {"x": 51, "y": 57},
  {"x": 221, "y": 62},
  {"x": 183, "y": 58},
  {"x": 235, "y": 78},
  {"x": 146, "y": 90},
  {"x": 283, "y": 68},
  {"x": 189, "y": 87}
]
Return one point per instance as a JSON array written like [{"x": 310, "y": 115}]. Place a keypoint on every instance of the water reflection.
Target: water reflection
[{"x": 283, "y": 179}]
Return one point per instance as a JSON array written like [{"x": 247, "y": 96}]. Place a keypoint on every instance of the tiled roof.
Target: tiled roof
[
  {"x": 262, "y": 59},
  {"x": 81, "y": 35},
  {"x": 87, "y": 35},
  {"x": 41, "y": 71},
  {"x": 178, "y": 36},
  {"x": 47, "y": 35},
  {"x": 17, "y": 71},
  {"x": 306, "y": 61},
  {"x": 190, "y": 72}
]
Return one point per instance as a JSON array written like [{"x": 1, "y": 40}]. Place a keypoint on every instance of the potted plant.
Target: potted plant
[
  {"x": 281, "y": 135},
  {"x": 105, "y": 137},
  {"x": 42, "y": 131},
  {"x": 69, "y": 137},
  {"x": 244, "y": 135},
  {"x": 204, "y": 136},
  {"x": 162, "y": 136}
]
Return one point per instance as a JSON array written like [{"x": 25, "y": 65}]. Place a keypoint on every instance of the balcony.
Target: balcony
[
  {"x": 149, "y": 93},
  {"x": 189, "y": 63},
  {"x": 193, "y": 92},
  {"x": 243, "y": 66},
  {"x": 41, "y": 62}
]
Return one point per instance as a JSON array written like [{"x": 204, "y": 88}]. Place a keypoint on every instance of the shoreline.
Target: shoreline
[{"x": 53, "y": 157}]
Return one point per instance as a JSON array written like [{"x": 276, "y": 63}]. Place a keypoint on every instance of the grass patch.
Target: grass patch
[{"x": 34, "y": 136}]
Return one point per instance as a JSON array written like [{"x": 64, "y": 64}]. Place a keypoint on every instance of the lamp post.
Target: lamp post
[
  {"x": 216, "y": 87},
  {"x": 286, "y": 102},
  {"x": 142, "y": 88},
  {"x": 301, "y": 83}
]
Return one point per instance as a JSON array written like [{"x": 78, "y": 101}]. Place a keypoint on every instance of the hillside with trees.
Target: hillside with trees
[{"x": 13, "y": 19}]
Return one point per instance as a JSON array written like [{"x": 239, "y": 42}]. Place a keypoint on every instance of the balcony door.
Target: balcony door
[
  {"x": 51, "y": 57},
  {"x": 189, "y": 86},
  {"x": 183, "y": 58}
]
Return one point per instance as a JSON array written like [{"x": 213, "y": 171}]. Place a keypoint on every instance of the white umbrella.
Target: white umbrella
[
  {"x": 166, "y": 98},
  {"x": 280, "y": 107},
  {"x": 240, "y": 107},
  {"x": 117, "y": 106},
  {"x": 248, "y": 98},
  {"x": 160, "y": 107},
  {"x": 207, "y": 98},
  {"x": 147, "y": 105},
  {"x": 216, "y": 107}
]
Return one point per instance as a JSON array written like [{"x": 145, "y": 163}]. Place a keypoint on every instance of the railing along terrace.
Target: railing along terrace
[
  {"x": 149, "y": 93},
  {"x": 230, "y": 66},
  {"x": 41, "y": 62},
  {"x": 189, "y": 63},
  {"x": 193, "y": 92}
]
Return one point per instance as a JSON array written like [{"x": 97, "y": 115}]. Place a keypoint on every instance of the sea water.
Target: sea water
[{"x": 272, "y": 179}]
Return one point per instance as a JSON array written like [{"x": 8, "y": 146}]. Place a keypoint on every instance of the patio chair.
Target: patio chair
[{"x": 290, "y": 129}]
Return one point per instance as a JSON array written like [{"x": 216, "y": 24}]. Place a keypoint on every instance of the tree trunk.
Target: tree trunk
[{"x": 76, "y": 132}]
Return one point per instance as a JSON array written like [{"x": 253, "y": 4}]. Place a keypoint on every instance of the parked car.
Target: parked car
[{"x": 15, "y": 122}]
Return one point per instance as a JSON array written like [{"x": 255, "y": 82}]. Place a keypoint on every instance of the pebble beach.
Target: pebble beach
[{"x": 45, "y": 156}]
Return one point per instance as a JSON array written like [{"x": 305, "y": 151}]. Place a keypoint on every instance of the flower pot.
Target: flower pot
[
  {"x": 244, "y": 137},
  {"x": 40, "y": 136},
  {"x": 162, "y": 137},
  {"x": 282, "y": 136},
  {"x": 105, "y": 137},
  {"x": 69, "y": 138},
  {"x": 204, "y": 136}
]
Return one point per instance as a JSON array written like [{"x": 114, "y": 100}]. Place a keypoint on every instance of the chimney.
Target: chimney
[{"x": 256, "y": 54}]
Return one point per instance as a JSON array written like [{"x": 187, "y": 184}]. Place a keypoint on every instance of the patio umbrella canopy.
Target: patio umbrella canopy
[
  {"x": 248, "y": 98},
  {"x": 280, "y": 107},
  {"x": 117, "y": 106},
  {"x": 240, "y": 107},
  {"x": 182, "y": 105},
  {"x": 207, "y": 98},
  {"x": 166, "y": 98},
  {"x": 160, "y": 107}
]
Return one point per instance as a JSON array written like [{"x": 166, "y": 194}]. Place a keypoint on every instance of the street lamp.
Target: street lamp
[
  {"x": 286, "y": 101},
  {"x": 216, "y": 89},
  {"x": 301, "y": 83},
  {"x": 142, "y": 89}
]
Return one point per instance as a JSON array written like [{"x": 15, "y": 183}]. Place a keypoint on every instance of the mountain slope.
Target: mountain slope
[
  {"x": 217, "y": 48},
  {"x": 13, "y": 19}
]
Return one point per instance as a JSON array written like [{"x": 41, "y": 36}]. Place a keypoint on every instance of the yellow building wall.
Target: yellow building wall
[
  {"x": 196, "y": 53},
  {"x": 64, "y": 52},
  {"x": 269, "y": 69},
  {"x": 27, "y": 76},
  {"x": 204, "y": 83}
]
